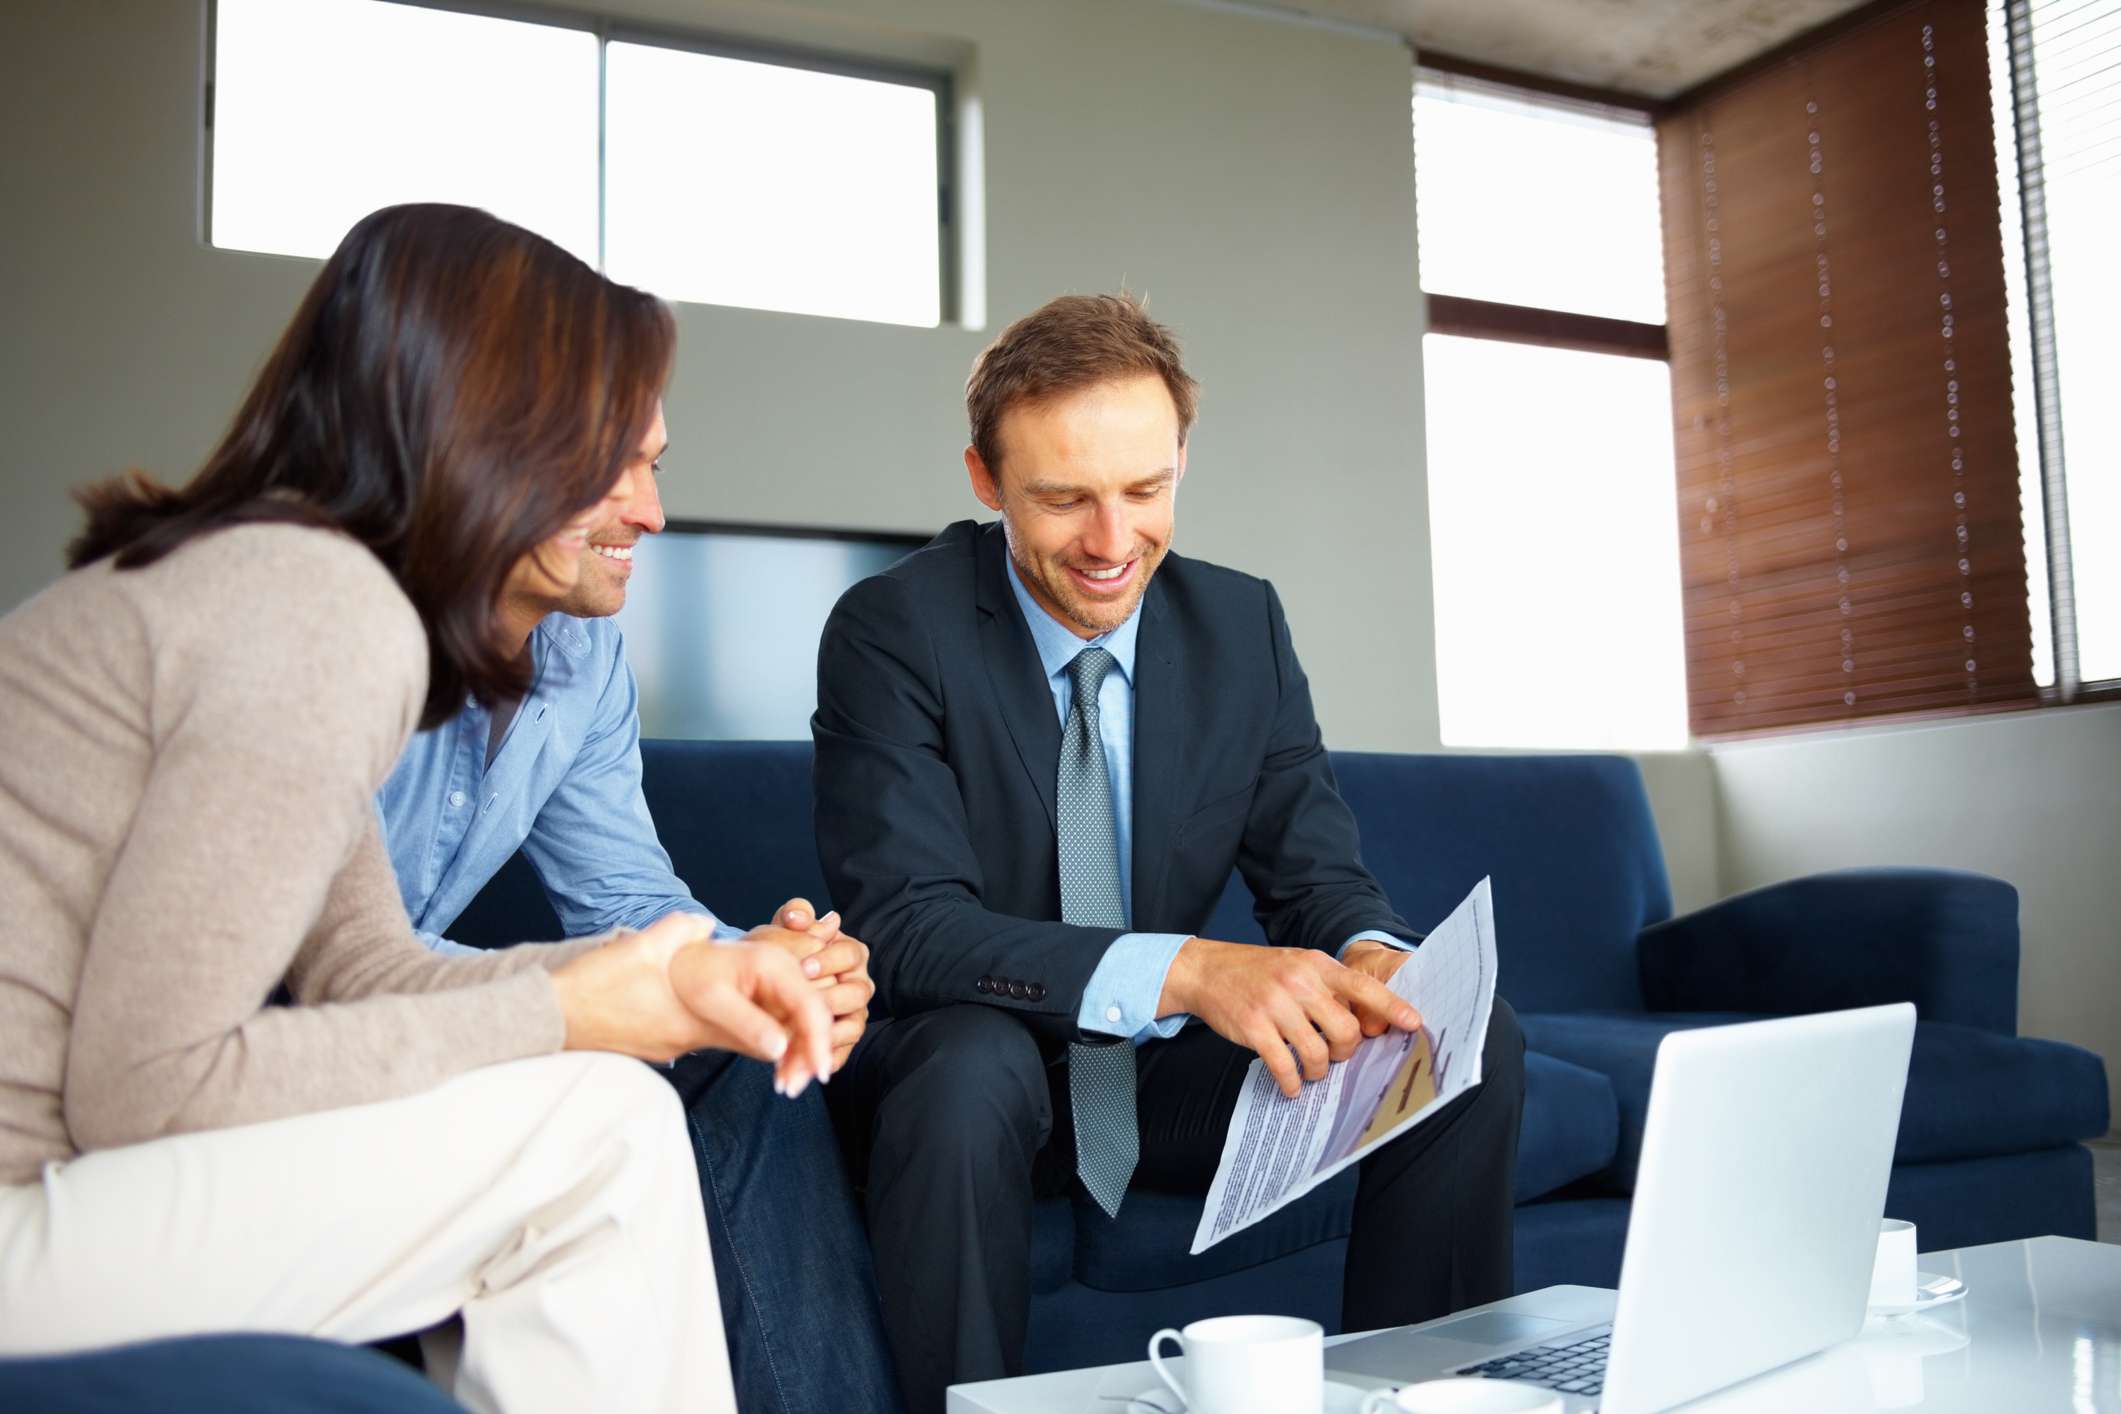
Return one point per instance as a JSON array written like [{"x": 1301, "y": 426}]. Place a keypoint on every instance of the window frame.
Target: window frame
[{"x": 940, "y": 82}]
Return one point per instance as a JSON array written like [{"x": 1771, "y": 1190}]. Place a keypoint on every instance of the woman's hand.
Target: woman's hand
[
  {"x": 670, "y": 989},
  {"x": 755, "y": 998}
]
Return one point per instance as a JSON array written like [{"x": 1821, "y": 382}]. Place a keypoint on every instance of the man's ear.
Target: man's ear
[
  {"x": 984, "y": 484},
  {"x": 1181, "y": 466}
]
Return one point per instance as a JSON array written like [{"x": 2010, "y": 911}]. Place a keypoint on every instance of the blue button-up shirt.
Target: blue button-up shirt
[
  {"x": 1121, "y": 997},
  {"x": 565, "y": 788}
]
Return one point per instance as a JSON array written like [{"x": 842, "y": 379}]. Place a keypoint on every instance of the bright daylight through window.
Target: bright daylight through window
[
  {"x": 2058, "y": 113},
  {"x": 828, "y": 207},
  {"x": 1552, "y": 517},
  {"x": 796, "y": 187},
  {"x": 324, "y": 110}
]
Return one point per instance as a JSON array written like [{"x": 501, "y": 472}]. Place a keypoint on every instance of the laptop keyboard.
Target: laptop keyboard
[{"x": 1574, "y": 1364}]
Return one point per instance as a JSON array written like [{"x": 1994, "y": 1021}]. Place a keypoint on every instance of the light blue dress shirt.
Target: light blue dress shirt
[
  {"x": 565, "y": 788},
  {"x": 1120, "y": 998}
]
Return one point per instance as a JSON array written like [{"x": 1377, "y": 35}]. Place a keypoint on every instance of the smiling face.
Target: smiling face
[
  {"x": 583, "y": 570},
  {"x": 1087, "y": 496},
  {"x": 601, "y": 589}
]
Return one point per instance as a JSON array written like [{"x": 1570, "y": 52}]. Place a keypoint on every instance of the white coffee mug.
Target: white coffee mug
[
  {"x": 1247, "y": 1365},
  {"x": 1893, "y": 1269},
  {"x": 1465, "y": 1395}
]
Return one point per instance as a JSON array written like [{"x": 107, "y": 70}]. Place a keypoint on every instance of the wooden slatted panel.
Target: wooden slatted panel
[{"x": 1848, "y": 487}]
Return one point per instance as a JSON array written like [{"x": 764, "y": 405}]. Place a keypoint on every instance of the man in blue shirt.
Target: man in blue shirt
[
  {"x": 1043, "y": 744},
  {"x": 558, "y": 775}
]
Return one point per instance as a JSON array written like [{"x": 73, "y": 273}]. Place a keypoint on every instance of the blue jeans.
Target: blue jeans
[{"x": 797, "y": 1282}]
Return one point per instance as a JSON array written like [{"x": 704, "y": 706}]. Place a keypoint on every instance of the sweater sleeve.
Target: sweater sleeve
[
  {"x": 365, "y": 947},
  {"x": 286, "y": 671}
]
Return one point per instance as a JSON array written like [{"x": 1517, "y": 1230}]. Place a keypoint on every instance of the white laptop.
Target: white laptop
[{"x": 1755, "y": 1220}]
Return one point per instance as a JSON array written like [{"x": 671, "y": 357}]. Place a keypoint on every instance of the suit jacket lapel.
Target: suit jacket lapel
[
  {"x": 1014, "y": 671},
  {"x": 1159, "y": 749}
]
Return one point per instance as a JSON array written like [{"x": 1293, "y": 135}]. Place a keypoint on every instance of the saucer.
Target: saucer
[
  {"x": 1340, "y": 1399},
  {"x": 1931, "y": 1291}
]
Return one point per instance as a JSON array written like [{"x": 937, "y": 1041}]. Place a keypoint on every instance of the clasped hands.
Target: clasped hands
[
  {"x": 793, "y": 993},
  {"x": 1296, "y": 1007}
]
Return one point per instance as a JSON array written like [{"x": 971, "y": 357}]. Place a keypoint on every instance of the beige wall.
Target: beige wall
[
  {"x": 1254, "y": 178},
  {"x": 2030, "y": 797}
]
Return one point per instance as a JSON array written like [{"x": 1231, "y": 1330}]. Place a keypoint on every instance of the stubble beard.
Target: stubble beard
[
  {"x": 1061, "y": 592},
  {"x": 597, "y": 593}
]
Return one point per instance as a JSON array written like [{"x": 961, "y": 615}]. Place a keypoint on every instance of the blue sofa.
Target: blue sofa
[
  {"x": 220, "y": 1374},
  {"x": 1599, "y": 971}
]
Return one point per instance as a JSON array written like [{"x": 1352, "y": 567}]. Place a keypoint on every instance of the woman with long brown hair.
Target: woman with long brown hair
[{"x": 199, "y": 715}]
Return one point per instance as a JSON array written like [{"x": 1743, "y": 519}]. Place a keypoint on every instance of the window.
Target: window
[
  {"x": 2058, "y": 126},
  {"x": 1548, "y": 410},
  {"x": 735, "y": 182},
  {"x": 324, "y": 110},
  {"x": 771, "y": 181}
]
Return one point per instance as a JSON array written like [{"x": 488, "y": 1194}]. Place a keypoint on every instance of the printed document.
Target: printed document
[{"x": 1279, "y": 1149}]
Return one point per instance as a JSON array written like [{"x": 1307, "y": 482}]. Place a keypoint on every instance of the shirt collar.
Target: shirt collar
[
  {"x": 1057, "y": 644},
  {"x": 562, "y": 631}
]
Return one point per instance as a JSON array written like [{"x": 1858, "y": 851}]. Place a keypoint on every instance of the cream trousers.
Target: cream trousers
[{"x": 552, "y": 1204}]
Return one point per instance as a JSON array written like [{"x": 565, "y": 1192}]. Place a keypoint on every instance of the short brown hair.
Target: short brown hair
[
  {"x": 1071, "y": 343},
  {"x": 452, "y": 392}
]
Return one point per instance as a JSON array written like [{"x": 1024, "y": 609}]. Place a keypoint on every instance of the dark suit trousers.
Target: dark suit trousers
[{"x": 954, "y": 1123}]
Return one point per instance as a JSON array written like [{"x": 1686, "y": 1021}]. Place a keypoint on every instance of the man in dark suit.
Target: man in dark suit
[{"x": 1042, "y": 744}]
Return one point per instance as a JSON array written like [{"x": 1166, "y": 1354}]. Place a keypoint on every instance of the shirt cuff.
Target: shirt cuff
[
  {"x": 1371, "y": 935},
  {"x": 1121, "y": 997}
]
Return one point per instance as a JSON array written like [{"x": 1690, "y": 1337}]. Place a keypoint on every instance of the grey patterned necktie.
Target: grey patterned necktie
[{"x": 1101, "y": 1075}]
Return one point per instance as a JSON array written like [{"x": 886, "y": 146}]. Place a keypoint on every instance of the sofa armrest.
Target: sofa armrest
[{"x": 1943, "y": 939}]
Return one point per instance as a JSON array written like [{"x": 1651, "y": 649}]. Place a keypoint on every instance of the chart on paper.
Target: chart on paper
[{"x": 1278, "y": 1149}]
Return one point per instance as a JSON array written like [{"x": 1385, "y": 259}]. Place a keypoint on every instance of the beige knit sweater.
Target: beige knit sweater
[{"x": 189, "y": 755}]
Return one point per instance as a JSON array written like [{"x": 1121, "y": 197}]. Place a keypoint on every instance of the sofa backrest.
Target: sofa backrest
[
  {"x": 739, "y": 822},
  {"x": 736, "y": 818},
  {"x": 1568, "y": 841}
]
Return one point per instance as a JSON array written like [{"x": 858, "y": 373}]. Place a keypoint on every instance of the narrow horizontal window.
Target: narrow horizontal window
[
  {"x": 325, "y": 110},
  {"x": 784, "y": 182},
  {"x": 755, "y": 184}
]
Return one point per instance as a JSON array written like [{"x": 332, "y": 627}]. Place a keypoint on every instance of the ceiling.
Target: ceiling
[{"x": 1650, "y": 48}]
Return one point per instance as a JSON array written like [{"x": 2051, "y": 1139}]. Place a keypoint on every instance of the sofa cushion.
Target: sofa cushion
[
  {"x": 1145, "y": 1246},
  {"x": 1571, "y": 1126},
  {"x": 1970, "y": 1092},
  {"x": 221, "y": 1374},
  {"x": 1053, "y": 1243},
  {"x": 738, "y": 819}
]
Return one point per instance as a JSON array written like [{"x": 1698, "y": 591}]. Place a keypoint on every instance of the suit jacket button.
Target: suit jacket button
[
  {"x": 1020, "y": 991},
  {"x": 984, "y": 985},
  {"x": 1038, "y": 991}
]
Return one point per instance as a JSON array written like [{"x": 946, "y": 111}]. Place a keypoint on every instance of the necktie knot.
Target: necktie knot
[{"x": 1087, "y": 671}]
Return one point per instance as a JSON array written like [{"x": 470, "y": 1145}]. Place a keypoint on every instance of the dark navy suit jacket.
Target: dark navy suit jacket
[{"x": 938, "y": 750}]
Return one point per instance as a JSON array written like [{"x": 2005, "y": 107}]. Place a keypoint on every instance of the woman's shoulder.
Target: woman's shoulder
[
  {"x": 284, "y": 561},
  {"x": 274, "y": 585},
  {"x": 306, "y": 552}
]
